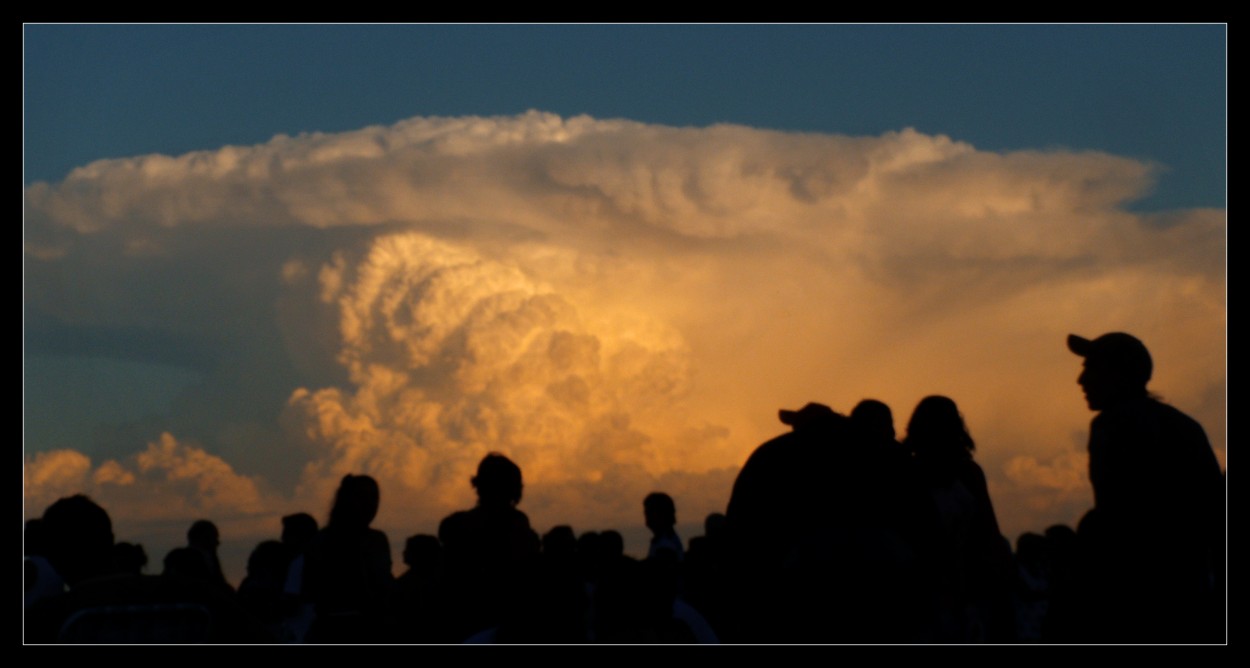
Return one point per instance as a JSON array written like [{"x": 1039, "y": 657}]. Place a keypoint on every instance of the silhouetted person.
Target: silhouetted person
[
  {"x": 204, "y": 538},
  {"x": 660, "y": 514},
  {"x": 103, "y": 606},
  {"x": 560, "y": 545},
  {"x": 299, "y": 530},
  {"x": 489, "y": 547},
  {"x": 1064, "y": 592},
  {"x": 813, "y": 558},
  {"x": 874, "y": 421},
  {"x": 261, "y": 591},
  {"x": 420, "y": 591},
  {"x": 129, "y": 558},
  {"x": 967, "y": 559},
  {"x": 347, "y": 569},
  {"x": 42, "y": 580},
  {"x": 1032, "y": 590},
  {"x": 1153, "y": 543},
  {"x": 79, "y": 539},
  {"x": 705, "y": 577}
]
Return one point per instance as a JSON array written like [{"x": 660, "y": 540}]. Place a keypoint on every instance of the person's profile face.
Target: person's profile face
[{"x": 1098, "y": 384}]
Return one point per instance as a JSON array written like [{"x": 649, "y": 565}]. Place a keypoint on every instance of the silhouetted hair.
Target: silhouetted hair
[
  {"x": 203, "y": 532},
  {"x": 268, "y": 562},
  {"x": 422, "y": 550},
  {"x": 612, "y": 542},
  {"x": 185, "y": 562},
  {"x": 498, "y": 479},
  {"x": 659, "y": 510},
  {"x": 560, "y": 540},
  {"x": 298, "y": 529},
  {"x": 873, "y": 418},
  {"x": 356, "y": 502},
  {"x": 79, "y": 537},
  {"x": 129, "y": 558},
  {"x": 936, "y": 430}
]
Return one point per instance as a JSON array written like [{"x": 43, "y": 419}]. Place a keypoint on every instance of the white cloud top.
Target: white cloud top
[{"x": 620, "y": 307}]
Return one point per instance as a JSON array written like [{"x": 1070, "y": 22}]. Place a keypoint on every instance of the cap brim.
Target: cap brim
[{"x": 1079, "y": 345}]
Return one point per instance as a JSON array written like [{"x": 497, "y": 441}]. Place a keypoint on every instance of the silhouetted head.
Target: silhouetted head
[
  {"x": 267, "y": 563},
  {"x": 612, "y": 543},
  {"x": 660, "y": 512},
  {"x": 814, "y": 418},
  {"x": 937, "y": 431},
  {"x": 298, "y": 529},
  {"x": 1117, "y": 367},
  {"x": 129, "y": 558},
  {"x": 560, "y": 541},
  {"x": 356, "y": 502},
  {"x": 203, "y": 534},
  {"x": 422, "y": 551},
  {"x": 714, "y": 524},
  {"x": 873, "y": 419},
  {"x": 186, "y": 562},
  {"x": 79, "y": 538},
  {"x": 498, "y": 480}
]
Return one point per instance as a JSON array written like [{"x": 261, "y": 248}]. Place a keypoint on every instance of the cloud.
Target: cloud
[
  {"x": 618, "y": 306},
  {"x": 451, "y": 355},
  {"x": 169, "y": 478}
]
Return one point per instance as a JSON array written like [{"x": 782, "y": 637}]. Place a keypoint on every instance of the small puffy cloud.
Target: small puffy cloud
[
  {"x": 208, "y": 482},
  {"x": 168, "y": 479},
  {"x": 51, "y": 475}
]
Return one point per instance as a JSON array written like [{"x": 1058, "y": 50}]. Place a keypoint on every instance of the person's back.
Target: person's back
[
  {"x": 347, "y": 569},
  {"x": 1149, "y": 463},
  {"x": 487, "y": 548}
]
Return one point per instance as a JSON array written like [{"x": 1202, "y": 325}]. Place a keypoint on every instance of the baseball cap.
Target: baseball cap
[{"x": 1121, "y": 352}]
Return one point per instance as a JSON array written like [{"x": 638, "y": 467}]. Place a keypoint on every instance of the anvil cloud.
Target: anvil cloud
[{"x": 620, "y": 307}]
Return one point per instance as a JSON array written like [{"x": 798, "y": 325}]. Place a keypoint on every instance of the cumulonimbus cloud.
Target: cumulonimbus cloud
[{"x": 621, "y": 306}]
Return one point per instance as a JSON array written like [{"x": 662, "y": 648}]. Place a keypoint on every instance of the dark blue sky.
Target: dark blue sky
[{"x": 1155, "y": 92}]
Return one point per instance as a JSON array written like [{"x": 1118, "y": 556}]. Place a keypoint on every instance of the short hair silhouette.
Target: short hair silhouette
[
  {"x": 129, "y": 558},
  {"x": 498, "y": 480},
  {"x": 422, "y": 550},
  {"x": 874, "y": 418},
  {"x": 79, "y": 538},
  {"x": 298, "y": 529},
  {"x": 203, "y": 533},
  {"x": 660, "y": 511}
]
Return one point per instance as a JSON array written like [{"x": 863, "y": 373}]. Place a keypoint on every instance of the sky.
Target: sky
[{"x": 258, "y": 257}]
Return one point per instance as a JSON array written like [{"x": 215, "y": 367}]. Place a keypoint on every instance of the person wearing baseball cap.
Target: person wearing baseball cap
[{"x": 1154, "y": 536}]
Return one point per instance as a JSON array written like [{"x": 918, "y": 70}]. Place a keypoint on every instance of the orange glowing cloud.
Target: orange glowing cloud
[{"x": 620, "y": 307}]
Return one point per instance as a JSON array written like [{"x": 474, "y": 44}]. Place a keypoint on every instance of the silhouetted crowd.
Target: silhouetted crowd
[{"x": 835, "y": 532}]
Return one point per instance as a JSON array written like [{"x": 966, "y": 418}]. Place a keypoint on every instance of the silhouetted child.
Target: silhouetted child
[{"x": 660, "y": 514}]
